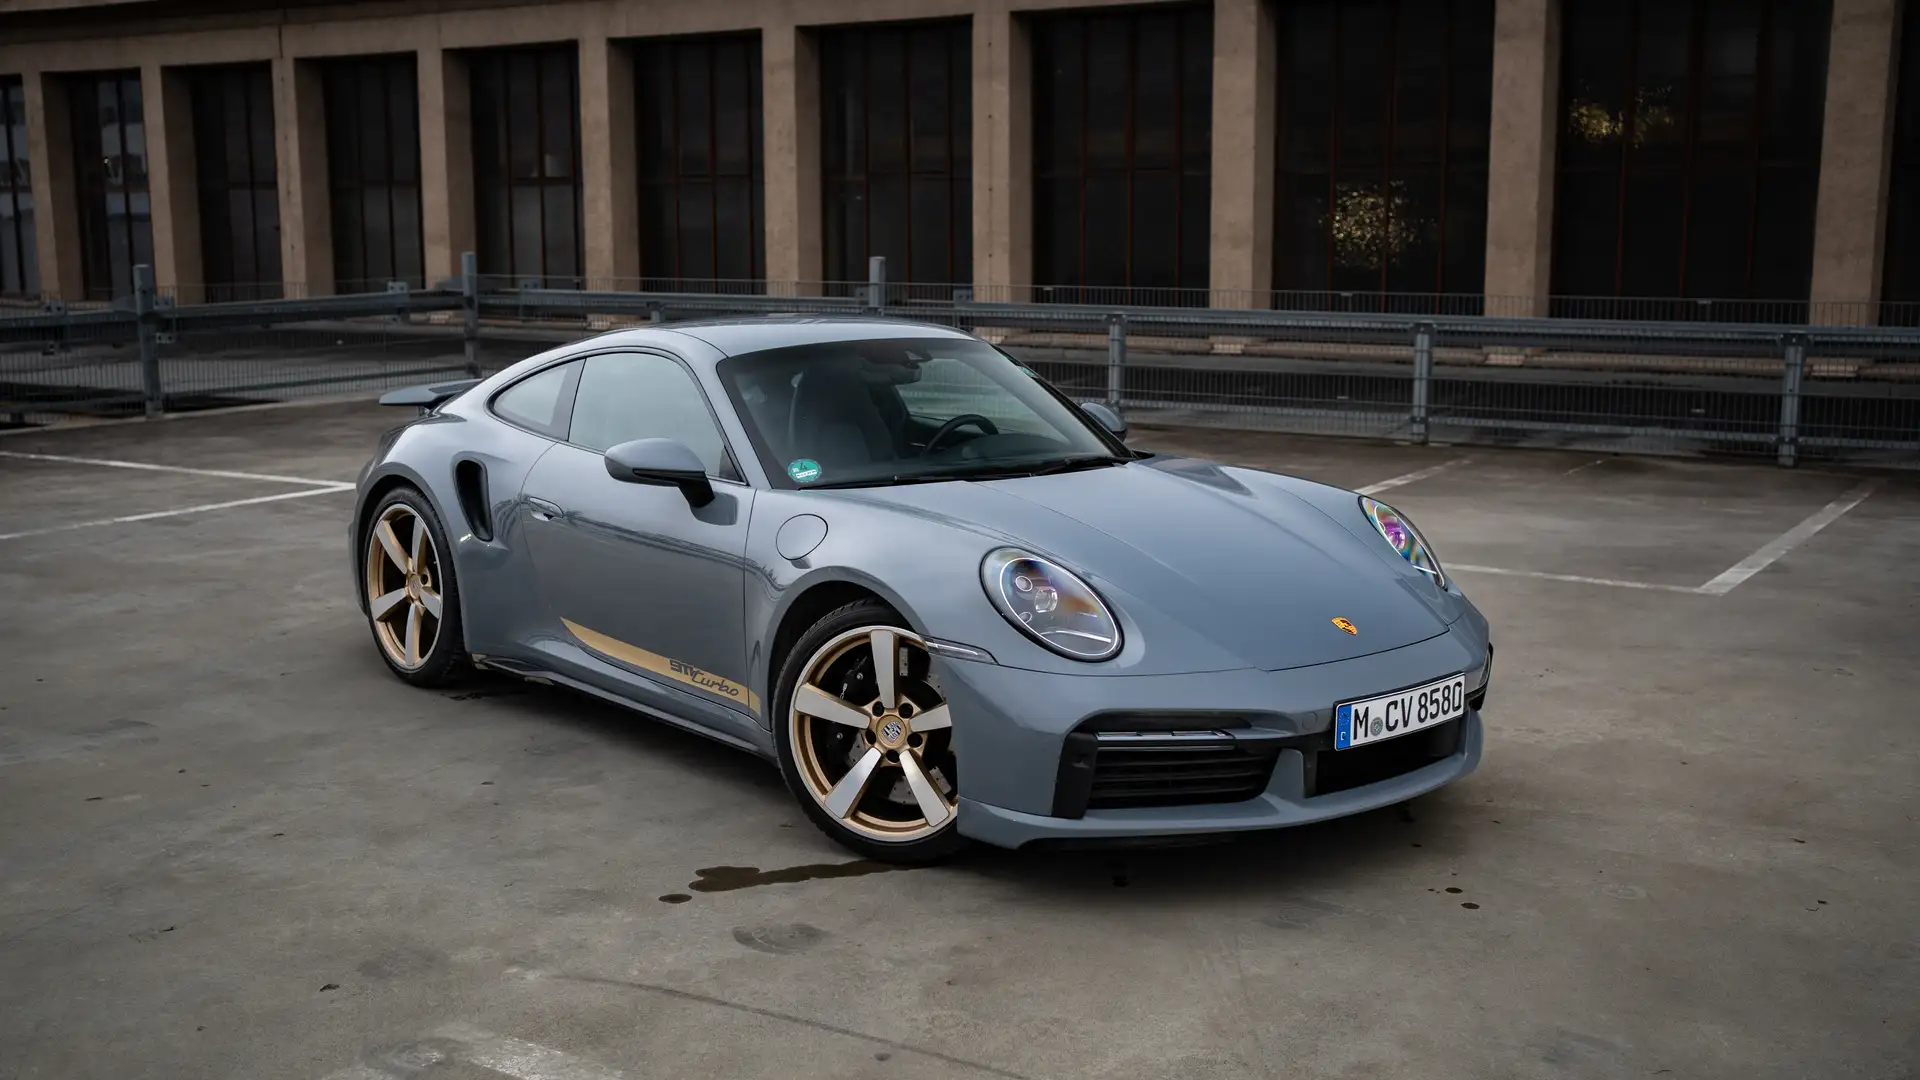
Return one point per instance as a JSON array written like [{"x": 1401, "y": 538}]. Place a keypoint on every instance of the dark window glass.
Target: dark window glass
[
  {"x": 1123, "y": 126},
  {"x": 538, "y": 401},
  {"x": 698, "y": 155},
  {"x": 628, "y": 396},
  {"x": 1689, "y": 156},
  {"x": 234, "y": 170},
  {"x": 373, "y": 172},
  {"x": 110, "y": 171},
  {"x": 896, "y": 129},
  {"x": 1901, "y": 284},
  {"x": 1383, "y": 115},
  {"x": 526, "y": 163},
  {"x": 19, "y": 259}
]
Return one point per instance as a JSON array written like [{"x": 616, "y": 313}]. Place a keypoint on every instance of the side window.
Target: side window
[
  {"x": 537, "y": 401},
  {"x": 628, "y": 396}
]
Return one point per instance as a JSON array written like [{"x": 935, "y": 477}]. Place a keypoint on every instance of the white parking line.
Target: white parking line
[
  {"x": 1402, "y": 481},
  {"x": 1575, "y": 578},
  {"x": 225, "y": 474},
  {"x": 1787, "y": 541},
  {"x": 329, "y": 489}
]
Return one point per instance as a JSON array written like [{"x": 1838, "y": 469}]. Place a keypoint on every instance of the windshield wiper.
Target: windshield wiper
[{"x": 1046, "y": 467}]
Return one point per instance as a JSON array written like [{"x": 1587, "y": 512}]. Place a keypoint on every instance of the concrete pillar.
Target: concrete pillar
[
  {"x": 172, "y": 187},
  {"x": 1002, "y": 155},
  {"x": 56, "y": 202},
  {"x": 446, "y": 161},
  {"x": 607, "y": 165},
  {"x": 300, "y": 162},
  {"x": 1245, "y": 85},
  {"x": 1856, "y": 149},
  {"x": 790, "y": 102},
  {"x": 1520, "y": 159}
]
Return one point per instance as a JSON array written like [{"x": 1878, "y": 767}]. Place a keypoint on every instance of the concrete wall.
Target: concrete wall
[{"x": 44, "y": 42}]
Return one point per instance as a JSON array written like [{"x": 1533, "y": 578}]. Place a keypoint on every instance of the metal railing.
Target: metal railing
[{"x": 1443, "y": 372}]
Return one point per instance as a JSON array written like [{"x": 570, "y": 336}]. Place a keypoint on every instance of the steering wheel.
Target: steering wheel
[{"x": 955, "y": 424}]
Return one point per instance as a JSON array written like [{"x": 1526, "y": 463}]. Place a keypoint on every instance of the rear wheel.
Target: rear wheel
[
  {"x": 413, "y": 603},
  {"x": 866, "y": 742}
]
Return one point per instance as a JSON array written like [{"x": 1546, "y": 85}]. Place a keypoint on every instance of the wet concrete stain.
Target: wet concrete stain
[
  {"x": 728, "y": 878},
  {"x": 780, "y": 940},
  {"x": 405, "y": 962}
]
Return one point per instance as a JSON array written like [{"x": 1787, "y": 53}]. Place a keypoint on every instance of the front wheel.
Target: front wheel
[
  {"x": 413, "y": 602},
  {"x": 866, "y": 742}
]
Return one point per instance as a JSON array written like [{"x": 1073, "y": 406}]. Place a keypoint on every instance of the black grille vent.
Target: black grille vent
[{"x": 1178, "y": 774}]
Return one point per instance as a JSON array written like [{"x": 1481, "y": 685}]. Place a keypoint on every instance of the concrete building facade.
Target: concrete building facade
[{"x": 1614, "y": 157}]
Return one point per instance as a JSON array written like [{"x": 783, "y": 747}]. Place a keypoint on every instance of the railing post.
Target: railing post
[
  {"x": 876, "y": 282},
  {"x": 148, "y": 329},
  {"x": 470, "y": 309},
  {"x": 1422, "y": 379},
  {"x": 1793, "y": 374},
  {"x": 1116, "y": 359}
]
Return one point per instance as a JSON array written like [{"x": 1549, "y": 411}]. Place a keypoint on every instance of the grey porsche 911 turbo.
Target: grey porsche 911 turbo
[{"x": 949, "y": 602}]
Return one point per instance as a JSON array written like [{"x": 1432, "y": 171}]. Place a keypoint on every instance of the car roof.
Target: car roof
[{"x": 734, "y": 336}]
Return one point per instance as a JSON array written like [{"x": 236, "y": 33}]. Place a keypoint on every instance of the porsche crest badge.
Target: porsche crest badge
[{"x": 1346, "y": 625}]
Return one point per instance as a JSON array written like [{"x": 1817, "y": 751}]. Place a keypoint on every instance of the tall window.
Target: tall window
[
  {"x": 702, "y": 185},
  {"x": 373, "y": 171},
  {"x": 526, "y": 162},
  {"x": 110, "y": 170},
  {"x": 19, "y": 260},
  {"x": 234, "y": 168},
  {"x": 1123, "y": 124},
  {"x": 1383, "y": 114},
  {"x": 896, "y": 122},
  {"x": 1900, "y": 286},
  {"x": 1690, "y": 152}
]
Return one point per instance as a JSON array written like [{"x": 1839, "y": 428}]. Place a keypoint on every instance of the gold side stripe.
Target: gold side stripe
[{"x": 677, "y": 670}]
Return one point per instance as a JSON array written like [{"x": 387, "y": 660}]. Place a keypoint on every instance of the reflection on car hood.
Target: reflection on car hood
[{"x": 1254, "y": 568}]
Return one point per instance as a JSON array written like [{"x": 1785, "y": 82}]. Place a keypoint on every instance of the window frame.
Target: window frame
[
  {"x": 563, "y": 405},
  {"x": 16, "y": 187},
  {"x": 499, "y": 255},
  {"x": 346, "y": 83}
]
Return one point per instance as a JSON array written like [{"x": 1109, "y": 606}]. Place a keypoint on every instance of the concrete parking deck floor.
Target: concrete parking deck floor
[{"x": 231, "y": 845}]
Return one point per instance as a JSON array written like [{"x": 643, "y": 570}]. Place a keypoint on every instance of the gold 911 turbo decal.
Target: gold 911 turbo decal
[
  {"x": 1346, "y": 625},
  {"x": 666, "y": 666}
]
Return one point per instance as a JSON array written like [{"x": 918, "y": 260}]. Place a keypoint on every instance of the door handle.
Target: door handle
[{"x": 542, "y": 509}]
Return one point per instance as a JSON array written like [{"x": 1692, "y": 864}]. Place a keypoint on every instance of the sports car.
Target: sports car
[{"x": 949, "y": 602}]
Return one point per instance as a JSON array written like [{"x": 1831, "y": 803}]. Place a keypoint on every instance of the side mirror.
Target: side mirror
[
  {"x": 1106, "y": 418},
  {"x": 662, "y": 463}
]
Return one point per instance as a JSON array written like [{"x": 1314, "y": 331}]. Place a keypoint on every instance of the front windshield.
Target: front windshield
[{"x": 901, "y": 411}]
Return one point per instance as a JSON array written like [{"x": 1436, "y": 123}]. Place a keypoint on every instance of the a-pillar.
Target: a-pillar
[
  {"x": 607, "y": 160},
  {"x": 790, "y": 96},
  {"x": 1850, "y": 223},
  {"x": 56, "y": 200},
  {"x": 1002, "y": 155},
  {"x": 1520, "y": 158},
  {"x": 300, "y": 147},
  {"x": 446, "y": 161},
  {"x": 1244, "y": 88}
]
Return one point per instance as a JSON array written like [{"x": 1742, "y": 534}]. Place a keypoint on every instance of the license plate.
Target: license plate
[{"x": 1389, "y": 716}]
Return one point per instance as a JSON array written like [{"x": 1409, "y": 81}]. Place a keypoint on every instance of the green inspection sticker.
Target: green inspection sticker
[{"x": 804, "y": 470}]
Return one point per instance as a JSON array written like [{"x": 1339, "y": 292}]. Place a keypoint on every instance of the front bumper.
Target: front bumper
[{"x": 1012, "y": 728}]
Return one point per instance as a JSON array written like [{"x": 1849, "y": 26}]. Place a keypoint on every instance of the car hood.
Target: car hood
[{"x": 1230, "y": 554}]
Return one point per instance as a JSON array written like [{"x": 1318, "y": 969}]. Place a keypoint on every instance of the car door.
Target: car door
[{"x": 633, "y": 573}]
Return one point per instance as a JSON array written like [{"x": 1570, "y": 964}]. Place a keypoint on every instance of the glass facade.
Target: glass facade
[
  {"x": 1382, "y": 119},
  {"x": 1900, "y": 283},
  {"x": 1689, "y": 153},
  {"x": 1122, "y": 149},
  {"x": 234, "y": 170},
  {"x": 373, "y": 171},
  {"x": 526, "y": 163},
  {"x": 896, "y": 124},
  {"x": 701, "y": 180},
  {"x": 110, "y": 173},
  {"x": 19, "y": 259}
]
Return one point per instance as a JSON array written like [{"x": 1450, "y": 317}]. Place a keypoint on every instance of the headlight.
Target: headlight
[
  {"x": 1398, "y": 531},
  {"x": 1053, "y": 606}
]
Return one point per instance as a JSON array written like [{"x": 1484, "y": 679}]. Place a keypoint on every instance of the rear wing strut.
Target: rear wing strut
[{"x": 429, "y": 396}]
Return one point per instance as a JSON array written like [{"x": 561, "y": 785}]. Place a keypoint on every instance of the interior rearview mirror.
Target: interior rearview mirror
[
  {"x": 1106, "y": 418},
  {"x": 663, "y": 463}
]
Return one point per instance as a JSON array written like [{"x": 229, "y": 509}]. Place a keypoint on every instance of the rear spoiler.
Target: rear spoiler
[{"x": 429, "y": 396}]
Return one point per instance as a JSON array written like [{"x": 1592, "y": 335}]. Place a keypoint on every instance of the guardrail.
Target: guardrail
[{"x": 1781, "y": 390}]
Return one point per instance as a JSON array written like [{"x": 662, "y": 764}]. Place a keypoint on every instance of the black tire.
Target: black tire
[
  {"x": 445, "y": 662},
  {"x": 940, "y": 844}
]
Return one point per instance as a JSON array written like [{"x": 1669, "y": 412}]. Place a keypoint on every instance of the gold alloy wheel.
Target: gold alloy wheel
[
  {"x": 403, "y": 575},
  {"x": 871, "y": 735}
]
